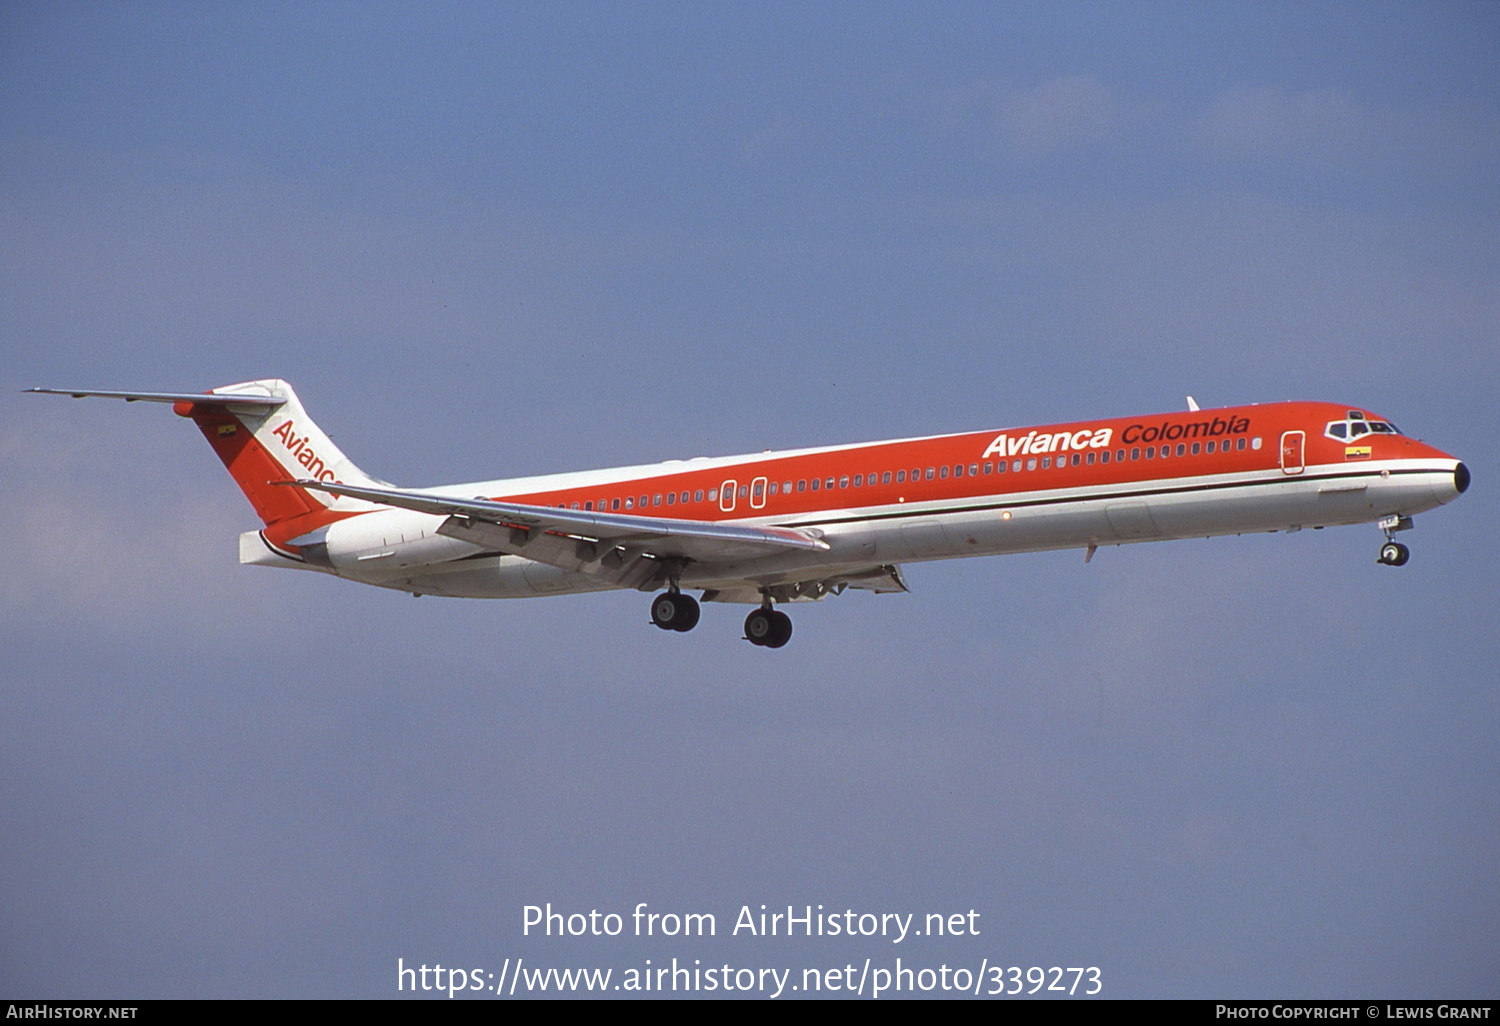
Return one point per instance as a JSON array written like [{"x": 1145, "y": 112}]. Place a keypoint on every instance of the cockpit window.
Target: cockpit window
[{"x": 1356, "y": 425}]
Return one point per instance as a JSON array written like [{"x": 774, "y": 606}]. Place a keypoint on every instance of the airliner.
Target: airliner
[{"x": 774, "y": 528}]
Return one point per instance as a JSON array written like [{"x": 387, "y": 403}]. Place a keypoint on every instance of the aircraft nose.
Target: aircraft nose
[{"x": 1446, "y": 491}]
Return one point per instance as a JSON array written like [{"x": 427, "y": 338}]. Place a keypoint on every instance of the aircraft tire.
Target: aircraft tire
[
  {"x": 666, "y": 609},
  {"x": 759, "y": 626},
  {"x": 687, "y": 613},
  {"x": 1394, "y": 554},
  {"x": 768, "y": 627},
  {"x": 781, "y": 631}
]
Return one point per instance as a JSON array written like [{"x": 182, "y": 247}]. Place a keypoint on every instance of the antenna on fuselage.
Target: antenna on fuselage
[{"x": 1192, "y": 404}]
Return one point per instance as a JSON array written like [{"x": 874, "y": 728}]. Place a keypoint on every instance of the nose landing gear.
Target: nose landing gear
[{"x": 1393, "y": 553}]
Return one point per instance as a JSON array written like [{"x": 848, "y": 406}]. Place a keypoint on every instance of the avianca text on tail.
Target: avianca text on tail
[{"x": 779, "y": 527}]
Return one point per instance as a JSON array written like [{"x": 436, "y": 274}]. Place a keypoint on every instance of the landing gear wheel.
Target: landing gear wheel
[
  {"x": 687, "y": 613},
  {"x": 664, "y": 610},
  {"x": 781, "y": 632},
  {"x": 674, "y": 611},
  {"x": 1394, "y": 554},
  {"x": 758, "y": 626},
  {"x": 768, "y": 627}
]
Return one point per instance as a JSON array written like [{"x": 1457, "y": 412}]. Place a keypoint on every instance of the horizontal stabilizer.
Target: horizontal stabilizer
[
  {"x": 201, "y": 398},
  {"x": 262, "y": 435}
]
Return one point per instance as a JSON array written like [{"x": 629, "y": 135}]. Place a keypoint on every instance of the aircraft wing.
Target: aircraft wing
[{"x": 613, "y": 546}]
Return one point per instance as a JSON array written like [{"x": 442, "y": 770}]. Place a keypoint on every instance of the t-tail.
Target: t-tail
[{"x": 265, "y": 439}]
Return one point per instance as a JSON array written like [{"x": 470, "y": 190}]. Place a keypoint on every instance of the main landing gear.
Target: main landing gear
[
  {"x": 674, "y": 611},
  {"x": 769, "y": 627},
  {"x": 1393, "y": 553}
]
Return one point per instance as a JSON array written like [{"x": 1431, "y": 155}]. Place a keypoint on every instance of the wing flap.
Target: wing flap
[
  {"x": 621, "y": 567},
  {"x": 884, "y": 578}
]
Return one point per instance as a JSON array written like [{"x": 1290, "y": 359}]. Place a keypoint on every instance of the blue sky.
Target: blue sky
[{"x": 490, "y": 240}]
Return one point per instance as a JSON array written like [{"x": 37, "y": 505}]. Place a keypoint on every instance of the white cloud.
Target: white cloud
[
  {"x": 1059, "y": 114},
  {"x": 777, "y": 136},
  {"x": 1269, "y": 122},
  {"x": 1331, "y": 127},
  {"x": 1235, "y": 284},
  {"x": 1030, "y": 122},
  {"x": 107, "y": 530}
]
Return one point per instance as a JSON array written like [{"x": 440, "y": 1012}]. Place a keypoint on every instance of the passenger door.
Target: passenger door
[{"x": 1291, "y": 451}]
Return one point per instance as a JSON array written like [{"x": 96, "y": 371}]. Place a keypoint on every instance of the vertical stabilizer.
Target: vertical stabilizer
[{"x": 263, "y": 445}]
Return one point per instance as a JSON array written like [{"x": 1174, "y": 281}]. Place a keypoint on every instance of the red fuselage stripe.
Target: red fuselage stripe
[{"x": 956, "y": 468}]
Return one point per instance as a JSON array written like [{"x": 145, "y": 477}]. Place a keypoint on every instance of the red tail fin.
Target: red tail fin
[
  {"x": 253, "y": 468},
  {"x": 262, "y": 445}
]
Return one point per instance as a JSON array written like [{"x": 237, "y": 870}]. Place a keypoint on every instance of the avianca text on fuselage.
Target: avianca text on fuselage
[
  {"x": 1043, "y": 441},
  {"x": 773, "y": 528},
  {"x": 1031, "y": 442}
]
